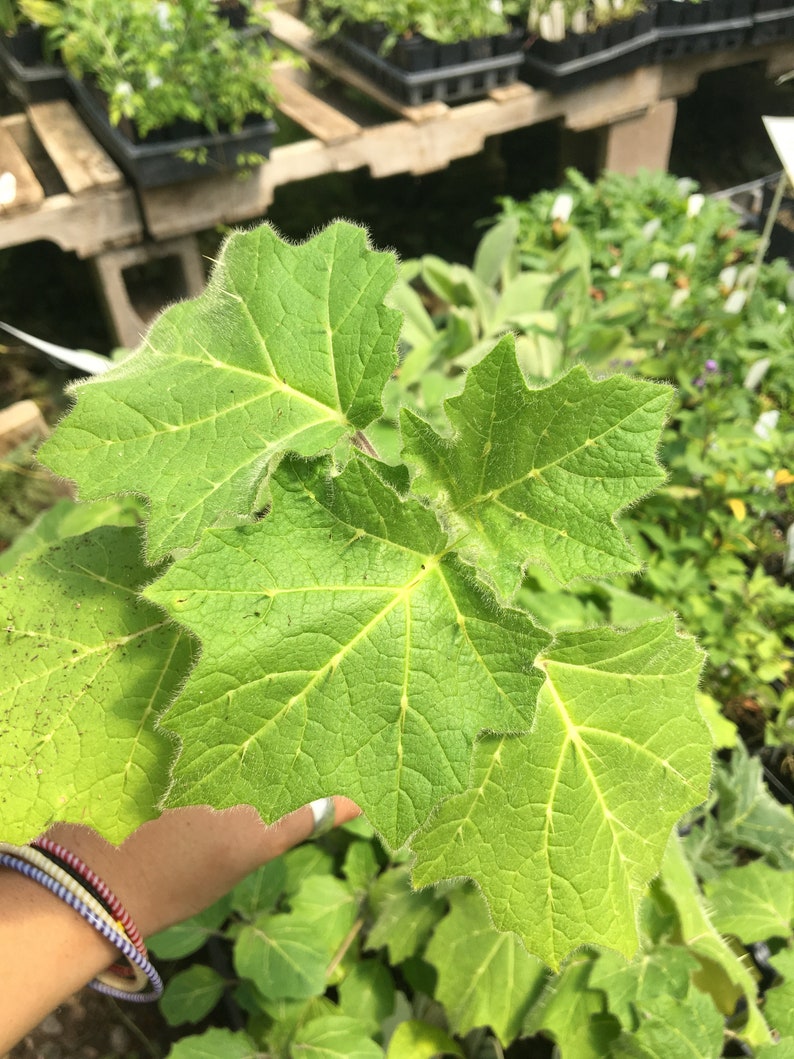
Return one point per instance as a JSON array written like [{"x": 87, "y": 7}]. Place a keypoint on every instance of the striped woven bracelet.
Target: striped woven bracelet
[
  {"x": 83, "y": 875},
  {"x": 64, "y": 886}
]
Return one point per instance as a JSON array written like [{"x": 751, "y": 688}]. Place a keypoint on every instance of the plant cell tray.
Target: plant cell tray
[
  {"x": 154, "y": 163},
  {"x": 686, "y": 28},
  {"x": 448, "y": 83},
  {"x": 27, "y": 77},
  {"x": 772, "y": 22},
  {"x": 585, "y": 58}
]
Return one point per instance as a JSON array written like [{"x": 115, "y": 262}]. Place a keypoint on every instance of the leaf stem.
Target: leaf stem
[{"x": 346, "y": 943}]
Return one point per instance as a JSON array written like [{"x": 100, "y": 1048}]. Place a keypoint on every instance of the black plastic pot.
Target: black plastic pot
[
  {"x": 415, "y": 54},
  {"x": 24, "y": 71},
  {"x": 155, "y": 161},
  {"x": 419, "y": 71}
]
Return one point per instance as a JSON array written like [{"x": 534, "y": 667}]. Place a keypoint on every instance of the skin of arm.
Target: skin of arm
[{"x": 166, "y": 871}]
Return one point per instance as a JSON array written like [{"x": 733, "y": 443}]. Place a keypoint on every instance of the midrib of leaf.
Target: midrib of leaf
[
  {"x": 537, "y": 472},
  {"x": 403, "y": 595},
  {"x": 276, "y": 383},
  {"x": 106, "y": 647},
  {"x": 66, "y": 715},
  {"x": 485, "y": 963},
  {"x": 464, "y": 629}
]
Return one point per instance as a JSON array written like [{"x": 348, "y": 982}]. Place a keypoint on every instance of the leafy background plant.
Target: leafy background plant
[{"x": 375, "y": 966}]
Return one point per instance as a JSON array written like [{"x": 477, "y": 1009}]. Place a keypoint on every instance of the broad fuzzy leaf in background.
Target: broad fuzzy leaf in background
[
  {"x": 754, "y": 902},
  {"x": 538, "y": 475},
  {"x": 485, "y": 977},
  {"x": 288, "y": 348},
  {"x": 343, "y": 653},
  {"x": 87, "y": 669},
  {"x": 571, "y": 821},
  {"x": 779, "y": 1001},
  {"x": 632, "y": 988},
  {"x": 724, "y": 976},
  {"x": 689, "y": 1029}
]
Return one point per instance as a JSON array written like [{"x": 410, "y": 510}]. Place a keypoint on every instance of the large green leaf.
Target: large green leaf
[
  {"x": 288, "y": 348},
  {"x": 692, "y": 1029},
  {"x": 283, "y": 956},
  {"x": 724, "y": 975},
  {"x": 538, "y": 475},
  {"x": 401, "y": 919},
  {"x": 343, "y": 653},
  {"x": 87, "y": 669},
  {"x": 485, "y": 977},
  {"x": 779, "y": 1001},
  {"x": 632, "y": 988},
  {"x": 571, "y": 820},
  {"x": 334, "y": 1037},
  {"x": 754, "y": 903}
]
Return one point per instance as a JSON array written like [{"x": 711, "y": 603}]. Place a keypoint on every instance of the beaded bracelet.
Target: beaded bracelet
[{"x": 78, "y": 898}]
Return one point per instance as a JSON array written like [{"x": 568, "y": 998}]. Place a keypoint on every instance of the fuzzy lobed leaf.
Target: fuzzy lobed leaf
[
  {"x": 572, "y": 819},
  {"x": 538, "y": 475},
  {"x": 288, "y": 348},
  {"x": 344, "y": 652},
  {"x": 87, "y": 669}
]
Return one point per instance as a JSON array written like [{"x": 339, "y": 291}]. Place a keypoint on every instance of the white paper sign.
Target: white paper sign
[{"x": 781, "y": 133}]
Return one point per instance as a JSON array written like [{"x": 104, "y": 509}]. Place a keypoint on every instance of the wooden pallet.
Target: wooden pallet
[
  {"x": 637, "y": 108},
  {"x": 68, "y": 190}
]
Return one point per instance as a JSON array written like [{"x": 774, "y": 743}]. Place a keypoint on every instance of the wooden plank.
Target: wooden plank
[
  {"x": 82, "y": 163},
  {"x": 310, "y": 112},
  {"x": 20, "y": 422},
  {"x": 24, "y": 189},
  {"x": 86, "y": 224}
]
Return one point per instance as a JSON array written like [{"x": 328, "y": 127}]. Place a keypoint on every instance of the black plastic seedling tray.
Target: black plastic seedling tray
[
  {"x": 153, "y": 163},
  {"x": 585, "y": 58},
  {"x": 773, "y": 21},
  {"x": 25, "y": 73},
  {"x": 687, "y": 28},
  {"x": 420, "y": 71}
]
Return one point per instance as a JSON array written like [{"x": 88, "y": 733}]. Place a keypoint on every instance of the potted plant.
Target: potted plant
[
  {"x": 578, "y": 42},
  {"x": 418, "y": 52},
  {"x": 27, "y": 66},
  {"x": 169, "y": 87}
]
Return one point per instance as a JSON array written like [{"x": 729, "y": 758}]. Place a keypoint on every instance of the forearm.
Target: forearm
[{"x": 166, "y": 871}]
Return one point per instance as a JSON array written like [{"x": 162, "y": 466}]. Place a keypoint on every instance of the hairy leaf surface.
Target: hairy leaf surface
[
  {"x": 87, "y": 668},
  {"x": 288, "y": 349},
  {"x": 344, "y": 652},
  {"x": 538, "y": 475},
  {"x": 571, "y": 820}
]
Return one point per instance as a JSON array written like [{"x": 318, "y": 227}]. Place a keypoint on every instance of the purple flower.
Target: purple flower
[
  {"x": 700, "y": 382},
  {"x": 711, "y": 367}
]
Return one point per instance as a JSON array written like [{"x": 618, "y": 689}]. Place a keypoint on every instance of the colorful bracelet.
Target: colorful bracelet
[
  {"x": 69, "y": 860},
  {"x": 83, "y": 875},
  {"x": 86, "y": 906}
]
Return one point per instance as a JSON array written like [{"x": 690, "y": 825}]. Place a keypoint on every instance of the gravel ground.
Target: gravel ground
[{"x": 92, "y": 1026}]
